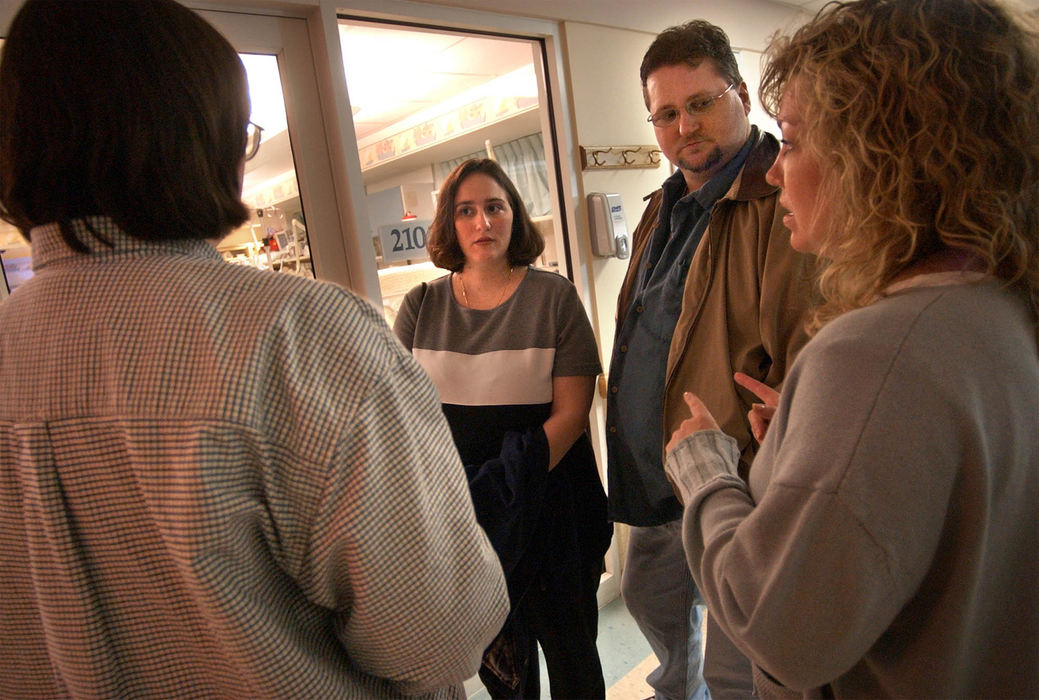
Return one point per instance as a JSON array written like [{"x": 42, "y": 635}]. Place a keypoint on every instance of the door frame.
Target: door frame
[{"x": 558, "y": 121}]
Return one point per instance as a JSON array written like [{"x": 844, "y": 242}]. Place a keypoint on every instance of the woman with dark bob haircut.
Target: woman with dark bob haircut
[
  {"x": 205, "y": 491},
  {"x": 180, "y": 181},
  {"x": 511, "y": 351},
  {"x": 526, "y": 243},
  {"x": 886, "y": 543}
]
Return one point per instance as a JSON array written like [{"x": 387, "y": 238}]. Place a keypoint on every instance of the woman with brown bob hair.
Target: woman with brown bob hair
[
  {"x": 181, "y": 181},
  {"x": 887, "y": 543},
  {"x": 526, "y": 243},
  {"x": 511, "y": 352}
]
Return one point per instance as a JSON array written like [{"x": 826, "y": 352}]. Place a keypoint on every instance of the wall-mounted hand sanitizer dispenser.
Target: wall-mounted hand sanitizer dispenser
[{"x": 608, "y": 226}]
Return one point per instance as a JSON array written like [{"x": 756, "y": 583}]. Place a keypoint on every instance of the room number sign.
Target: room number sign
[{"x": 404, "y": 241}]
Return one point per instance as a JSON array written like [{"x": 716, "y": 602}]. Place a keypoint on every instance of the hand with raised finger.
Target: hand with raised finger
[
  {"x": 760, "y": 414},
  {"x": 699, "y": 419}
]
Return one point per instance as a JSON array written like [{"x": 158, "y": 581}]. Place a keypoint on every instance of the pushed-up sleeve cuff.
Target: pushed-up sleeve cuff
[{"x": 702, "y": 463}]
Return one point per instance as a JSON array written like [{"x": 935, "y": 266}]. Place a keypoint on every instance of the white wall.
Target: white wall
[
  {"x": 748, "y": 23},
  {"x": 608, "y": 110}
]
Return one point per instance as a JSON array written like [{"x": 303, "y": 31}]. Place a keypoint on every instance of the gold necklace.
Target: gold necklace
[{"x": 504, "y": 288}]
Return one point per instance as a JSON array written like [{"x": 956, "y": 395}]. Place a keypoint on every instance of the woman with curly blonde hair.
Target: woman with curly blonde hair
[
  {"x": 932, "y": 147},
  {"x": 887, "y": 541}
]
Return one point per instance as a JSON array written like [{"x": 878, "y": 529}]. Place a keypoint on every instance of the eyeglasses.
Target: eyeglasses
[
  {"x": 252, "y": 140},
  {"x": 694, "y": 107}
]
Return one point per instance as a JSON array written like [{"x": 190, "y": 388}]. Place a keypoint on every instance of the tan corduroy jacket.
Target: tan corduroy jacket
[{"x": 744, "y": 303}]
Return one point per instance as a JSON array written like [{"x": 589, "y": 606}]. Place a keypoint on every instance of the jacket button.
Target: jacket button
[
  {"x": 613, "y": 429},
  {"x": 638, "y": 309},
  {"x": 624, "y": 348},
  {"x": 613, "y": 389}
]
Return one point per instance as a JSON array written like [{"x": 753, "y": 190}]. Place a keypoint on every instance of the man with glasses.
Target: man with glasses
[{"x": 713, "y": 287}]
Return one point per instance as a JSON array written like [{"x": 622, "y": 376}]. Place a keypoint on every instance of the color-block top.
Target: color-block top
[
  {"x": 887, "y": 543},
  {"x": 494, "y": 368}
]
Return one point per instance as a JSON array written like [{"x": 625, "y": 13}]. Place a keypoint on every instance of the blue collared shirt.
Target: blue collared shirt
[{"x": 636, "y": 402}]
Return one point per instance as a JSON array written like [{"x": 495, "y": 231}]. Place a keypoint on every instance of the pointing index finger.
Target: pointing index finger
[{"x": 763, "y": 391}]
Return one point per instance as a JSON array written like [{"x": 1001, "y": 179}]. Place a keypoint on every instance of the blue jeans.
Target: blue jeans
[{"x": 663, "y": 599}]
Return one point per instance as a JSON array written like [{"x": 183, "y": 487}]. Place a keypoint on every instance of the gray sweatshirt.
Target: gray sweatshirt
[{"x": 889, "y": 541}]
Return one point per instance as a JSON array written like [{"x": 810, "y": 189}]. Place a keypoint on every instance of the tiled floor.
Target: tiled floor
[{"x": 625, "y": 654}]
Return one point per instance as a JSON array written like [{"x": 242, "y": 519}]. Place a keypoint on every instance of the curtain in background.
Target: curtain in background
[{"x": 523, "y": 160}]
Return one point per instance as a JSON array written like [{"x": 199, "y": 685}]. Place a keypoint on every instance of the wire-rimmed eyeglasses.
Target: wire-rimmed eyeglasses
[
  {"x": 252, "y": 140},
  {"x": 694, "y": 107}
]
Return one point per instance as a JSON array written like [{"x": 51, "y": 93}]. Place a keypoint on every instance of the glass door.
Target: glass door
[
  {"x": 275, "y": 237},
  {"x": 424, "y": 100},
  {"x": 425, "y": 96},
  {"x": 295, "y": 226}
]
